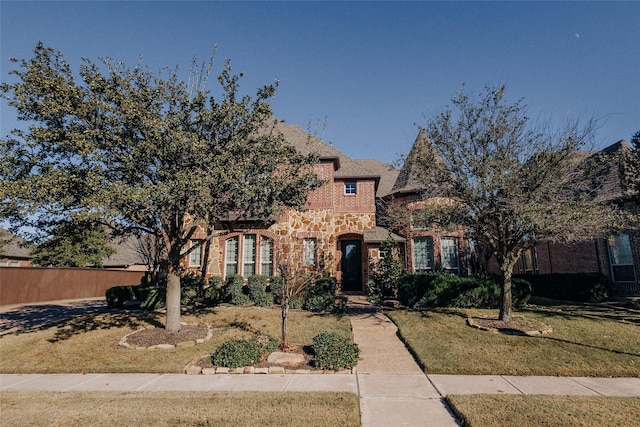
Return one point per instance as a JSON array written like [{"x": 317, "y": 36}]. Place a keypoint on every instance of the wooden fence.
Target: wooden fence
[{"x": 35, "y": 284}]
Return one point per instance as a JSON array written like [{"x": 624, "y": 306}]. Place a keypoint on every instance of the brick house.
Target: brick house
[
  {"x": 14, "y": 250},
  {"x": 617, "y": 257},
  {"x": 335, "y": 233}
]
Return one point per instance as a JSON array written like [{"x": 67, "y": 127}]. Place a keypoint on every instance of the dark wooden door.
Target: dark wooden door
[{"x": 351, "y": 264}]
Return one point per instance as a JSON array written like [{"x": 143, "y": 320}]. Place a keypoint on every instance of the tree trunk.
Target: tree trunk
[
  {"x": 173, "y": 301},
  {"x": 285, "y": 324},
  {"x": 506, "y": 299}
]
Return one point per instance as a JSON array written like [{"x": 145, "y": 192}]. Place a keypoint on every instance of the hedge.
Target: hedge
[
  {"x": 425, "y": 291},
  {"x": 578, "y": 287}
]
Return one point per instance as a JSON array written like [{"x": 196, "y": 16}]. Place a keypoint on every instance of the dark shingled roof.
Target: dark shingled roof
[
  {"x": 306, "y": 143},
  {"x": 12, "y": 246},
  {"x": 388, "y": 175},
  {"x": 380, "y": 234},
  {"x": 408, "y": 181}
]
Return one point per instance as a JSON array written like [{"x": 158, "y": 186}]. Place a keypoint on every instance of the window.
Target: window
[
  {"x": 195, "y": 256},
  {"x": 449, "y": 254},
  {"x": 249, "y": 256},
  {"x": 422, "y": 253},
  {"x": 350, "y": 188},
  {"x": 621, "y": 258},
  {"x": 4, "y": 263},
  {"x": 309, "y": 249},
  {"x": 266, "y": 256},
  {"x": 231, "y": 257},
  {"x": 528, "y": 261},
  {"x": 257, "y": 256}
]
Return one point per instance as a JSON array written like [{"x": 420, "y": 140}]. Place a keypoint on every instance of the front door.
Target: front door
[{"x": 351, "y": 265}]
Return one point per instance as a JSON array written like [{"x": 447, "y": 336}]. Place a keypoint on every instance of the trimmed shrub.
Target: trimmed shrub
[
  {"x": 234, "y": 290},
  {"x": 212, "y": 294},
  {"x": 462, "y": 292},
  {"x": 257, "y": 286},
  {"x": 117, "y": 295},
  {"x": 334, "y": 351},
  {"x": 152, "y": 298},
  {"x": 412, "y": 287},
  {"x": 275, "y": 289},
  {"x": 322, "y": 297},
  {"x": 579, "y": 287},
  {"x": 238, "y": 353}
]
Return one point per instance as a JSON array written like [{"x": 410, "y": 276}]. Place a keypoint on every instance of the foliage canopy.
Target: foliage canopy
[{"x": 143, "y": 153}]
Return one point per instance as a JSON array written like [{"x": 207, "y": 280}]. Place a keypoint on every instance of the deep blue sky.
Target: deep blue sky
[{"x": 372, "y": 69}]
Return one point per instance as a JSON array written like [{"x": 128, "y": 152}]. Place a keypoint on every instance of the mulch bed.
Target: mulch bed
[
  {"x": 517, "y": 325},
  {"x": 156, "y": 336}
]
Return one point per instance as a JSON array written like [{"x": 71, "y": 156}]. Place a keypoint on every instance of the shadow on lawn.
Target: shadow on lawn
[
  {"x": 587, "y": 311},
  {"x": 71, "y": 319}
]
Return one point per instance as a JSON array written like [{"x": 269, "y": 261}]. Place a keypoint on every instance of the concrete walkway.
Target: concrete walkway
[{"x": 393, "y": 390}]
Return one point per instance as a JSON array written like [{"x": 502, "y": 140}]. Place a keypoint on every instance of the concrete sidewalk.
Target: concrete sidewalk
[{"x": 392, "y": 388}]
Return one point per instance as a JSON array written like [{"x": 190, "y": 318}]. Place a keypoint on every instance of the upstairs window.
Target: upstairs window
[{"x": 350, "y": 188}]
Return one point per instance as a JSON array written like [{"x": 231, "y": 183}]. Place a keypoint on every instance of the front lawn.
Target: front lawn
[
  {"x": 89, "y": 342},
  {"x": 485, "y": 410},
  {"x": 323, "y": 409},
  {"x": 586, "y": 341}
]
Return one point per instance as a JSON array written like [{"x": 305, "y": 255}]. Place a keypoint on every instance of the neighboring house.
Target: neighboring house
[
  {"x": 335, "y": 233},
  {"x": 129, "y": 255},
  {"x": 14, "y": 250},
  {"x": 431, "y": 249},
  {"x": 617, "y": 257}
]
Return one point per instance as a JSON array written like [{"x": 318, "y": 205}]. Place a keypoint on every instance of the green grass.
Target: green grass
[
  {"x": 89, "y": 343},
  {"x": 586, "y": 341},
  {"x": 566, "y": 411},
  {"x": 323, "y": 409}
]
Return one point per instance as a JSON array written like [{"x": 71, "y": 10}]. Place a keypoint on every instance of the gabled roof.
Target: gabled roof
[
  {"x": 388, "y": 175},
  {"x": 12, "y": 246},
  {"x": 305, "y": 143},
  {"x": 609, "y": 184}
]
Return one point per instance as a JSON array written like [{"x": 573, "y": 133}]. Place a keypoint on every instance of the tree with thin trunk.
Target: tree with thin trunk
[
  {"x": 144, "y": 153},
  {"x": 509, "y": 185}
]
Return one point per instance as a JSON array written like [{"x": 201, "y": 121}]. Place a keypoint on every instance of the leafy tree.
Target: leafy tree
[
  {"x": 509, "y": 185},
  {"x": 144, "y": 153},
  {"x": 633, "y": 166},
  {"x": 74, "y": 243}
]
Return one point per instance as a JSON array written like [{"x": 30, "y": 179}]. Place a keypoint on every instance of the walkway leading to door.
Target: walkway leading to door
[{"x": 393, "y": 389}]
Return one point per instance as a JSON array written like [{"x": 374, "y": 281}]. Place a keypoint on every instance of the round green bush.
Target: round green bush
[{"x": 334, "y": 351}]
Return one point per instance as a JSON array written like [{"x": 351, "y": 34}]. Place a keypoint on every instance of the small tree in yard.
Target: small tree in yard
[
  {"x": 511, "y": 186},
  {"x": 144, "y": 153},
  {"x": 386, "y": 272}
]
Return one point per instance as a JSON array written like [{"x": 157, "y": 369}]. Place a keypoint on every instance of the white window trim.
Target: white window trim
[{"x": 355, "y": 188}]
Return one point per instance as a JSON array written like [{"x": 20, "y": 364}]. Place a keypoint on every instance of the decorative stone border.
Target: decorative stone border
[
  {"x": 123, "y": 341},
  {"x": 543, "y": 331},
  {"x": 197, "y": 370}
]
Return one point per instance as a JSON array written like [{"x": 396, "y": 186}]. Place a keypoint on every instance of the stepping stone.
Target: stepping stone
[{"x": 285, "y": 359}]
